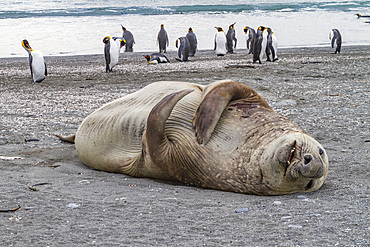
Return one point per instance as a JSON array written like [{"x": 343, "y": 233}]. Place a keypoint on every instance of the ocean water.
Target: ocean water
[{"x": 67, "y": 27}]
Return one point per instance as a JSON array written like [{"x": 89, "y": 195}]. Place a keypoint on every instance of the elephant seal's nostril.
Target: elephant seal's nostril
[{"x": 307, "y": 158}]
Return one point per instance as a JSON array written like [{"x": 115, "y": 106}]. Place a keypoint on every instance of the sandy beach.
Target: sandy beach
[{"x": 48, "y": 197}]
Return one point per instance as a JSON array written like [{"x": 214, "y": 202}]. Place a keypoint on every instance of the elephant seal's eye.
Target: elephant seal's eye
[{"x": 321, "y": 152}]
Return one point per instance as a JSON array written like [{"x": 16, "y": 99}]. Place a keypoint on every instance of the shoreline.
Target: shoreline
[
  {"x": 210, "y": 51},
  {"x": 325, "y": 94}
]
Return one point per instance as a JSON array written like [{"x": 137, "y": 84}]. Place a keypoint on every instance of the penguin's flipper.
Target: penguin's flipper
[
  {"x": 107, "y": 57},
  {"x": 217, "y": 97},
  {"x": 166, "y": 58},
  {"x": 46, "y": 70},
  {"x": 248, "y": 41},
  {"x": 272, "y": 50},
  {"x": 332, "y": 42},
  {"x": 30, "y": 62}
]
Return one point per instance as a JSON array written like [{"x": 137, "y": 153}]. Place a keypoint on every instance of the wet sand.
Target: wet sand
[{"x": 62, "y": 202}]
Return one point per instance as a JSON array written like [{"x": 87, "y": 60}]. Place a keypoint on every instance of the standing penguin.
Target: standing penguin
[
  {"x": 111, "y": 51},
  {"x": 251, "y": 36},
  {"x": 37, "y": 63},
  {"x": 231, "y": 39},
  {"x": 220, "y": 42},
  {"x": 192, "y": 41},
  {"x": 162, "y": 40},
  {"x": 184, "y": 49},
  {"x": 260, "y": 44},
  {"x": 336, "y": 40},
  {"x": 129, "y": 38},
  {"x": 271, "y": 47}
]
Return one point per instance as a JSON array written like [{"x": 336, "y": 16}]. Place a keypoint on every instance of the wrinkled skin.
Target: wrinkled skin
[{"x": 222, "y": 136}]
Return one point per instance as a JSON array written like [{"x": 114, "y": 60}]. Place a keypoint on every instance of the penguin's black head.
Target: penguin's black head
[
  {"x": 162, "y": 25},
  {"x": 147, "y": 57},
  {"x": 26, "y": 45},
  {"x": 232, "y": 25},
  {"x": 123, "y": 28},
  {"x": 106, "y": 39},
  {"x": 219, "y": 29},
  {"x": 190, "y": 29},
  {"x": 246, "y": 29},
  {"x": 261, "y": 28}
]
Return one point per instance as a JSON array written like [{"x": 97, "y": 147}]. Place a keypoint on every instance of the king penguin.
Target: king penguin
[
  {"x": 156, "y": 58},
  {"x": 220, "y": 42},
  {"x": 364, "y": 16},
  {"x": 183, "y": 49},
  {"x": 192, "y": 42},
  {"x": 129, "y": 38},
  {"x": 37, "y": 63},
  {"x": 251, "y": 36},
  {"x": 271, "y": 47},
  {"x": 231, "y": 39},
  {"x": 111, "y": 51},
  {"x": 336, "y": 40},
  {"x": 162, "y": 39},
  {"x": 260, "y": 44}
]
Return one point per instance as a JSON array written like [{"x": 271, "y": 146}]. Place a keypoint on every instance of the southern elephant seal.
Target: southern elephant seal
[{"x": 222, "y": 136}]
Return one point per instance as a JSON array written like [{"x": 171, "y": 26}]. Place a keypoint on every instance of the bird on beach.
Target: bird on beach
[
  {"x": 220, "y": 42},
  {"x": 183, "y": 49},
  {"x": 336, "y": 40},
  {"x": 251, "y": 35},
  {"x": 231, "y": 39},
  {"x": 112, "y": 49},
  {"x": 271, "y": 47},
  {"x": 36, "y": 61},
  {"x": 260, "y": 44},
  {"x": 156, "y": 58},
  {"x": 192, "y": 41},
  {"x": 129, "y": 38},
  {"x": 162, "y": 39},
  {"x": 364, "y": 16}
]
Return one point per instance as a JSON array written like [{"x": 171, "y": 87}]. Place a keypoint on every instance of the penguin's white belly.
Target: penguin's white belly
[
  {"x": 335, "y": 44},
  {"x": 263, "y": 45},
  {"x": 274, "y": 45},
  {"x": 38, "y": 66},
  {"x": 114, "y": 53},
  {"x": 162, "y": 59},
  {"x": 153, "y": 61},
  {"x": 220, "y": 44}
]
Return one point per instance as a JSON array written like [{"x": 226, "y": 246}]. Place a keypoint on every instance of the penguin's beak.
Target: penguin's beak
[
  {"x": 123, "y": 42},
  {"x": 106, "y": 39},
  {"x": 26, "y": 45}
]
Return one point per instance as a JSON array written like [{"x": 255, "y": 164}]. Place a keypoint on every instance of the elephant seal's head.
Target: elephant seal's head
[{"x": 294, "y": 162}]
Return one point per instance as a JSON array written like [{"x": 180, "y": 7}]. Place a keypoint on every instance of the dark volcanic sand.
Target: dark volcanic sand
[{"x": 326, "y": 95}]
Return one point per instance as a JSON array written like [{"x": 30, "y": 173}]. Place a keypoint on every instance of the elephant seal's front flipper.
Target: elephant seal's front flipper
[
  {"x": 157, "y": 142},
  {"x": 214, "y": 102}
]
